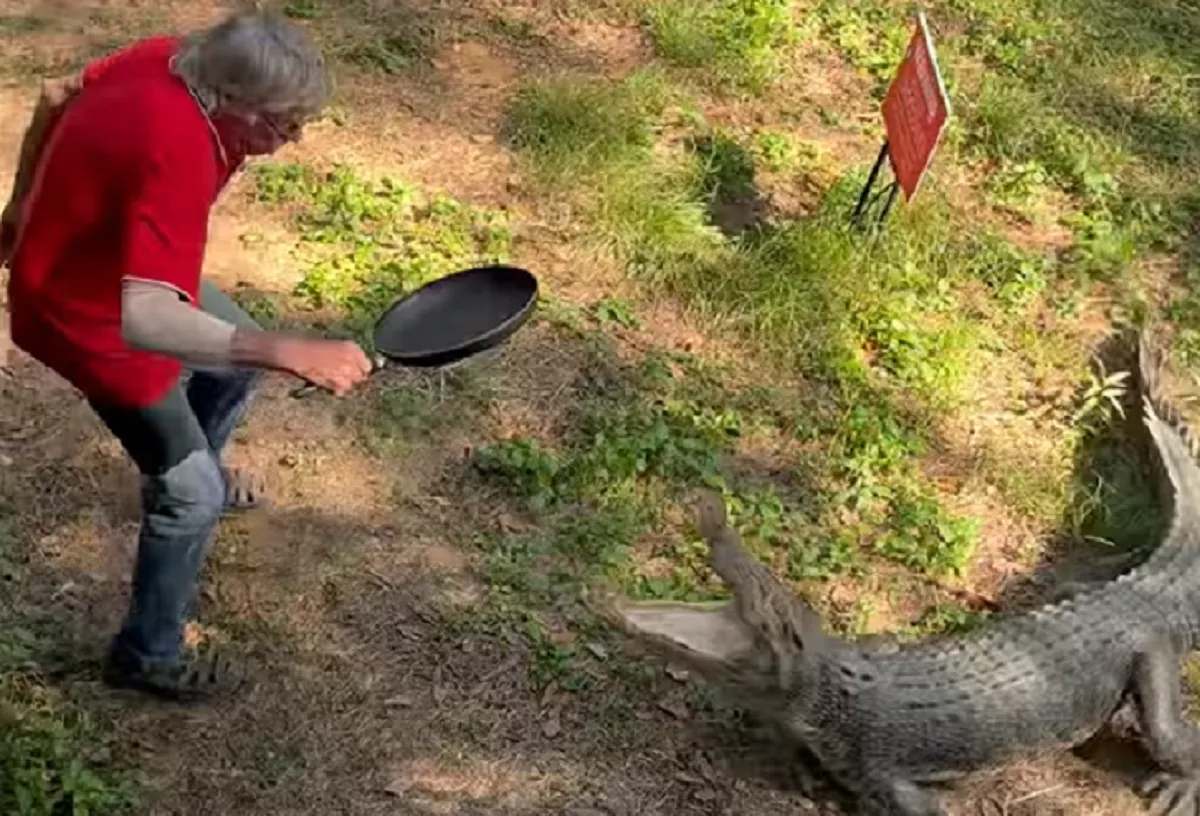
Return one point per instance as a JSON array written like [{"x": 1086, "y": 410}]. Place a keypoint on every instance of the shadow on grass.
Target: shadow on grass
[
  {"x": 381, "y": 678},
  {"x": 1125, "y": 74},
  {"x": 735, "y": 203},
  {"x": 1115, "y": 517},
  {"x": 404, "y": 39},
  {"x": 373, "y": 684},
  {"x": 1156, "y": 28},
  {"x": 1167, "y": 138}
]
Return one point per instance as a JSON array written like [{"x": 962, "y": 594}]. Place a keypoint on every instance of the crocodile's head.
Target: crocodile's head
[
  {"x": 710, "y": 639},
  {"x": 764, "y": 647},
  {"x": 716, "y": 643}
]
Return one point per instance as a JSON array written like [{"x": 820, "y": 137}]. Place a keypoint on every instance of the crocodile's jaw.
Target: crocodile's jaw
[
  {"x": 707, "y": 637},
  {"x": 707, "y": 631}
]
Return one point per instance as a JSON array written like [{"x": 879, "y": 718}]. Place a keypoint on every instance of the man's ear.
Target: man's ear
[{"x": 704, "y": 636}]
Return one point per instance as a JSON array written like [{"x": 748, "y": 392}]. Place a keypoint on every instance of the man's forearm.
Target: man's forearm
[
  {"x": 260, "y": 349},
  {"x": 155, "y": 318}
]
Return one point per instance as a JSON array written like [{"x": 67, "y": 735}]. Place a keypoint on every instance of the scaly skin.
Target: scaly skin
[{"x": 884, "y": 722}]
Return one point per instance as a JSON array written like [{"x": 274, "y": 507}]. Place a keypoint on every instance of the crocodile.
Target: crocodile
[{"x": 890, "y": 723}]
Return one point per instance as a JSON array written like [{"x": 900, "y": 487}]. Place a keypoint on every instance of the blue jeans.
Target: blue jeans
[{"x": 176, "y": 444}]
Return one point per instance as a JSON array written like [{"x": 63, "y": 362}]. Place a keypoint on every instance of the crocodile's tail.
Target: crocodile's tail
[
  {"x": 1150, "y": 368},
  {"x": 1175, "y": 449}
]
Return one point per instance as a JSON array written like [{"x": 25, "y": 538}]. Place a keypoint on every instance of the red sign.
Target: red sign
[{"x": 915, "y": 111}]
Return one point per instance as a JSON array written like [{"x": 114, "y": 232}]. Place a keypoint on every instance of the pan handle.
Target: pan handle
[{"x": 306, "y": 390}]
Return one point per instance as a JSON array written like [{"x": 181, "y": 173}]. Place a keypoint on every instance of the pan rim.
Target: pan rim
[{"x": 472, "y": 346}]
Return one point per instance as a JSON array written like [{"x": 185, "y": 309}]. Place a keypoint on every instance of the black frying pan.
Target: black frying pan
[{"x": 452, "y": 318}]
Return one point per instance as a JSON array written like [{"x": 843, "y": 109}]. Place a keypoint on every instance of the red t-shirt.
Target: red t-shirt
[{"x": 123, "y": 189}]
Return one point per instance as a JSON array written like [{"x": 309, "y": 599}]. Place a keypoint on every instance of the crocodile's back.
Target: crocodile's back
[
  {"x": 1037, "y": 681},
  {"x": 882, "y": 720}
]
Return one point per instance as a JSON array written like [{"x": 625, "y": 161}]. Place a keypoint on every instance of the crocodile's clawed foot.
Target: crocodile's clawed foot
[
  {"x": 992, "y": 806},
  {"x": 803, "y": 780},
  {"x": 1172, "y": 795}
]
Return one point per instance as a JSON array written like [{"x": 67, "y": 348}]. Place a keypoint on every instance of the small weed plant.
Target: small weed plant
[
  {"x": 739, "y": 44},
  {"x": 53, "y": 759},
  {"x": 369, "y": 241},
  {"x": 574, "y": 128}
]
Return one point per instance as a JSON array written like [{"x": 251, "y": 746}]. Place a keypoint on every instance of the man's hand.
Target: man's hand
[{"x": 335, "y": 365}]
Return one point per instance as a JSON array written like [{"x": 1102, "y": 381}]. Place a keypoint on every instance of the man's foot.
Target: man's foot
[
  {"x": 197, "y": 675},
  {"x": 243, "y": 490}
]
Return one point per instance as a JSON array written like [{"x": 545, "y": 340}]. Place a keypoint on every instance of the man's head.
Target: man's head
[{"x": 259, "y": 75}]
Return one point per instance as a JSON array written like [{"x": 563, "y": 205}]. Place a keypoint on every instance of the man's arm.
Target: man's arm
[
  {"x": 164, "y": 224},
  {"x": 155, "y": 317}
]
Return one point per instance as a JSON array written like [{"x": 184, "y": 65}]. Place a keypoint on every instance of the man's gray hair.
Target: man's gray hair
[{"x": 255, "y": 61}]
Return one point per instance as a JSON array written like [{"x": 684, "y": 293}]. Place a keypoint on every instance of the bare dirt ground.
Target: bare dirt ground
[{"x": 369, "y": 696}]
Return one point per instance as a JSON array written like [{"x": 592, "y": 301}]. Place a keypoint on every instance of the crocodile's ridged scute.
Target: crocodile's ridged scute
[{"x": 884, "y": 721}]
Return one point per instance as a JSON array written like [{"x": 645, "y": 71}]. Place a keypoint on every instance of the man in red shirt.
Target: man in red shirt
[{"x": 104, "y": 236}]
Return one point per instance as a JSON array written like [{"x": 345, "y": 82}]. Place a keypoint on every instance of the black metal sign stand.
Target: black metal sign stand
[{"x": 866, "y": 200}]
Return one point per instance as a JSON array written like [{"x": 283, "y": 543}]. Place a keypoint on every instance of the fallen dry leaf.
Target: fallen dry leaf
[
  {"x": 675, "y": 708},
  {"x": 397, "y": 788},
  {"x": 439, "y": 691},
  {"x": 677, "y": 674},
  {"x": 552, "y": 727},
  {"x": 561, "y": 637},
  {"x": 509, "y": 524}
]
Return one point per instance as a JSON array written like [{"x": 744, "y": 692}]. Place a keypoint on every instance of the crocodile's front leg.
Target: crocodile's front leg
[
  {"x": 1173, "y": 742},
  {"x": 896, "y": 797}
]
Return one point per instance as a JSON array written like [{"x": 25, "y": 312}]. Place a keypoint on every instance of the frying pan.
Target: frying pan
[{"x": 451, "y": 319}]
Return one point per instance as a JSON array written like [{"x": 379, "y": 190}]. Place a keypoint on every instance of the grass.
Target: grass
[
  {"x": 889, "y": 398},
  {"x": 733, "y": 44},
  {"x": 893, "y": 320},
  {"x": 369, "y": 241},
  {"x": 638, "y": 450},
  {"x": 54, "y": 759},
  {"x": 576, "y": 127}
]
